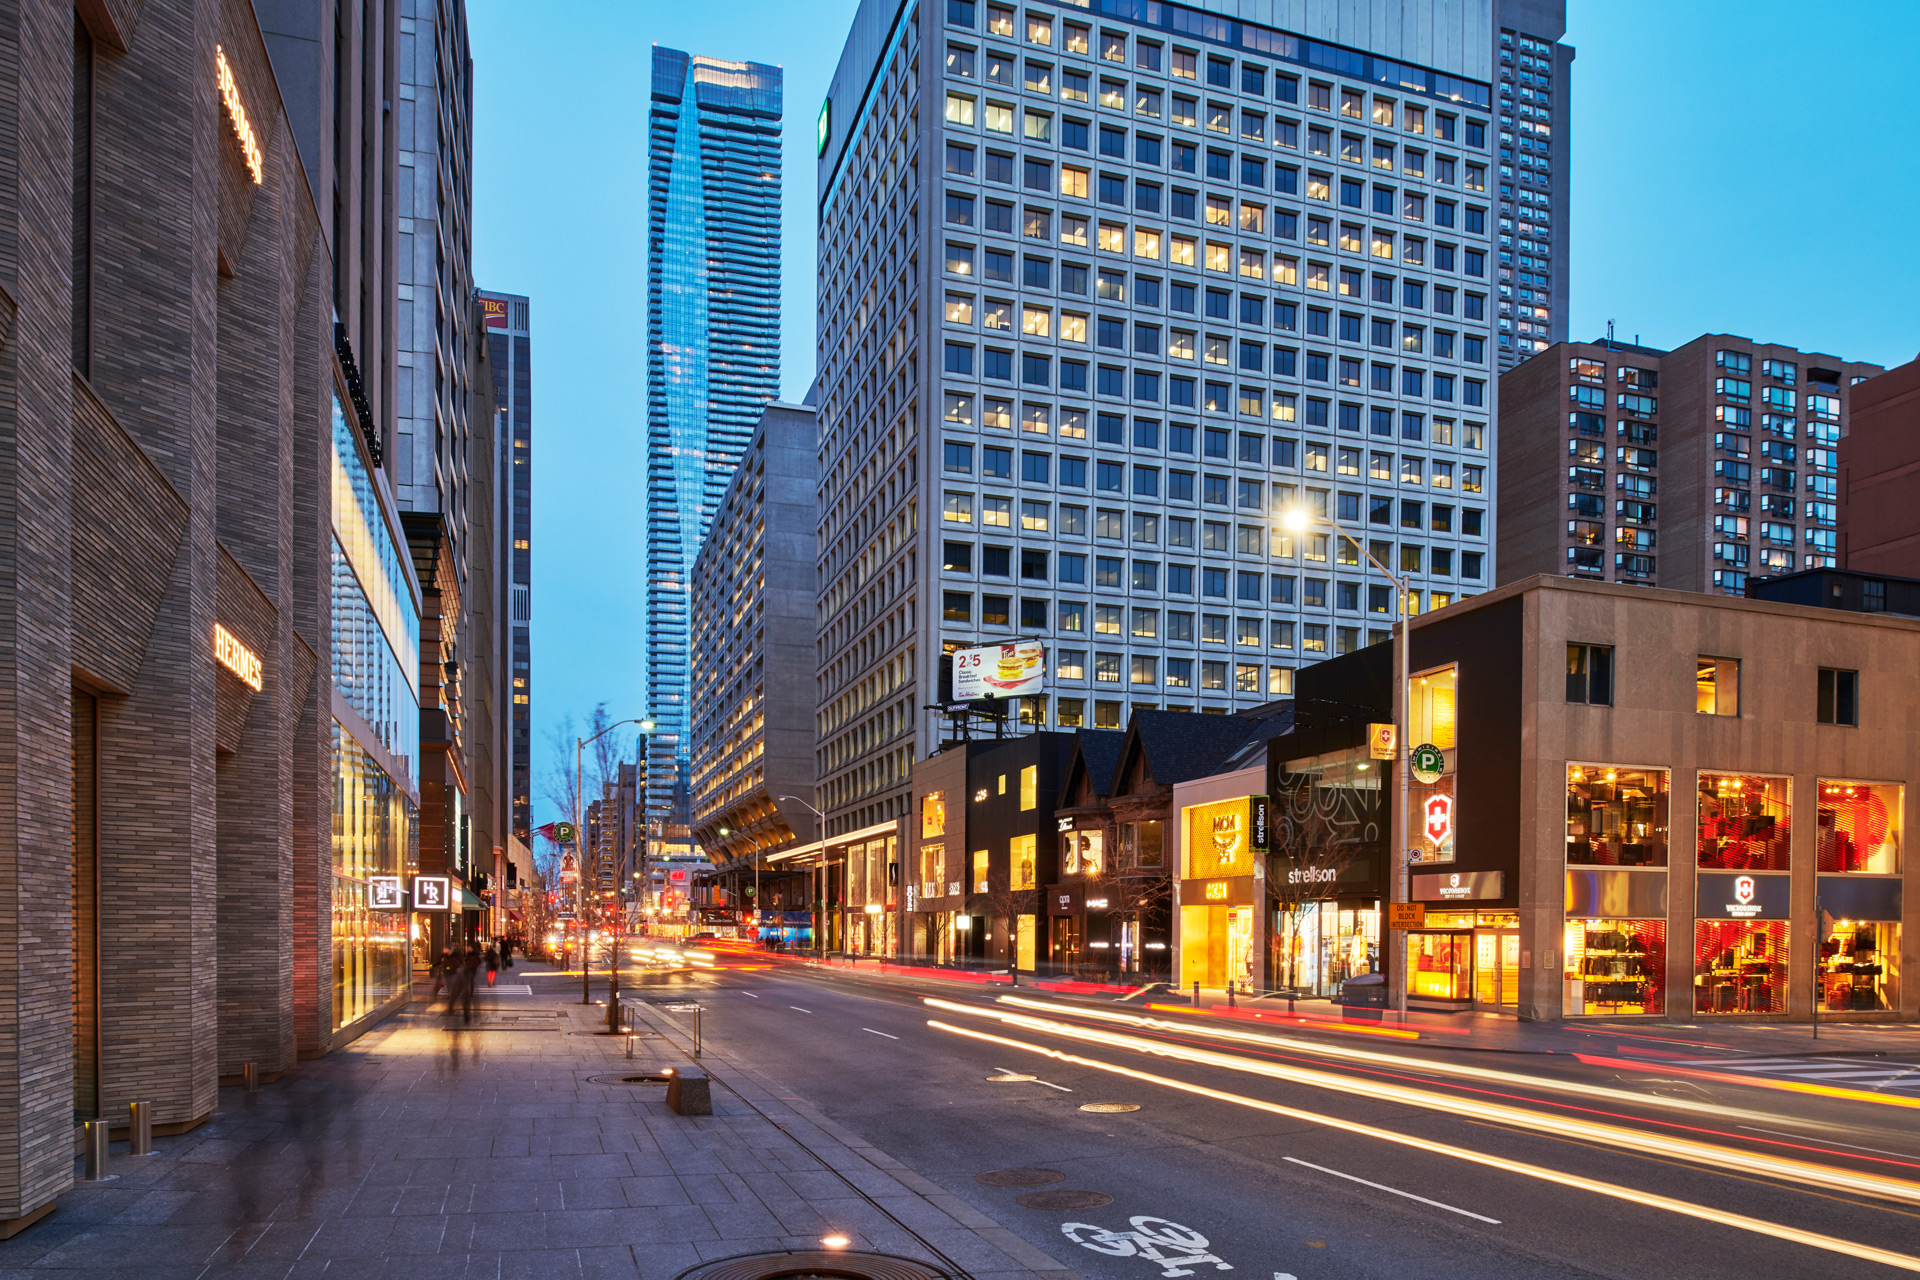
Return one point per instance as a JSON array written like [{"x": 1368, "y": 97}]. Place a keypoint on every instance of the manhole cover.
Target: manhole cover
[
  {"x": 836, "y": 1265},
  {"x": 1065, "y": 1200},
  {"x": 1019, "y": 1177},
  {"x": 1009, "y": 1077},
  {"x": 1107, "y": 1108}
]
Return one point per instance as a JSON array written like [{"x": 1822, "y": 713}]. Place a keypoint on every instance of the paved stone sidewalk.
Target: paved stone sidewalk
[{"x": 425, "y": 1152}]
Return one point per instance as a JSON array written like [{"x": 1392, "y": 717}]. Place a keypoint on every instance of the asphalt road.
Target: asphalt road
[{"x": 1257, "y": 1160}]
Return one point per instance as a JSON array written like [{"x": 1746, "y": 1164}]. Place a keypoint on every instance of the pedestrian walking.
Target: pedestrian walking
[
  {"x": 442, "y": 973},
  {"x": 469, "y": 981},
  {"x": 459, "y": 986},
  {"x": 506, "y": 953},
  {"x": 493, "y": 963}
]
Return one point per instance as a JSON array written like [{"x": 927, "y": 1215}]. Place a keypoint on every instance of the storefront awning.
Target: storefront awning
[{"x": 467, "y": 901}]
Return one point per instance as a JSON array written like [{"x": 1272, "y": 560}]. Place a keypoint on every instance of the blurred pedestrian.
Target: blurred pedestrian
[
  {"x": 493, "y": 963},
  {"x": 506, "y": 953},
  {"x": 467, "y": 976},
  {"x": 442, "y": 973}
]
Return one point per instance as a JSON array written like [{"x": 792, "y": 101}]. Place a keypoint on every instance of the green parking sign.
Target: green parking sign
[{"x": 1428, "y": 762}]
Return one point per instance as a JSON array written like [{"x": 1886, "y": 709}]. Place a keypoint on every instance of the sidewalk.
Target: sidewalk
[{"x": 426, "y": 1152}]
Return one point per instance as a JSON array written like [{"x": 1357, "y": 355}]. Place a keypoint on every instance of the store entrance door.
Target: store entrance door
[{"x": 1496, "y": 967}]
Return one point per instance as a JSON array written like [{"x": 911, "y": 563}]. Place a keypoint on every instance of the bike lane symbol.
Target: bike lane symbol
[{"x": 1174, "y": 1248}]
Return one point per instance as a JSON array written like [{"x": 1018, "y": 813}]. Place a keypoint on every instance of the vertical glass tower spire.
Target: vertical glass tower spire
[{"x": 713, "y": 354}]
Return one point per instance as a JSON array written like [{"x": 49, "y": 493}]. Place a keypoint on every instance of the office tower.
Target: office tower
[
  {"x": 1696, "y": 468},
  {"x": 1099, "y": 296},
  {"x": 510, "y": 351},
  {"x": 752, "y": 690},
  {"x": 1534, "y": 71},
  {"x": 713, "y": 353},
  {"x": 433, "y": 463}
]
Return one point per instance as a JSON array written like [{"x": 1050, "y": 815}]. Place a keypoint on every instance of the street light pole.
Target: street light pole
[
  {"x": 1401, "y": 886},
  {"x": 820, "y": 892},
  {"x": 581, "y": 898}
]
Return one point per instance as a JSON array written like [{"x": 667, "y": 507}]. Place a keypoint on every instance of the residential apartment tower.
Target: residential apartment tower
[
  {"x": 1697, "y": 468},
  {"x": 713, "y": 353}
]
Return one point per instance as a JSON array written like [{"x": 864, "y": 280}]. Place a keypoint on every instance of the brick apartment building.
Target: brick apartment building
[
  {"x": 1697, "y": 468},
  {"x": 1879, "y": 460}
]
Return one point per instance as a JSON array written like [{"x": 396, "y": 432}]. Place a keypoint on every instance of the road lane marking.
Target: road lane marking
[
  {"x": 1380, "y": 1186},
  {"x": 1631, "y": 1195},
  {"x": 795, "y": 1006},
  {"x": 1174, "y": 1248},
  {"x": 1051, "y": 1085},
  {"x": 872, "y": 1032},
  {"x": 1828, "y": 1142},
  {"x": 749, "y": 993}
]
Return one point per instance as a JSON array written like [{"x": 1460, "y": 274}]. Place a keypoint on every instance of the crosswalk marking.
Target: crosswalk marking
[{"x": 1863, "y": 1073}]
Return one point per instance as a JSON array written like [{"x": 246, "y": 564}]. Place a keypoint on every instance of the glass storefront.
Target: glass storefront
[
  {"x": 870, "y": 926},
  {"x": 1616, "y": 967},
  {"x": 1859, "y": 967},
  {"x": 1616, "y": 817},
  {"x": 1319, "y": 945},
  {"x": 1218, "y": 919},
  {"x": 373, "y": 834},
  {"x": 1745, "y": 822},
  {"x": 1858, "y": 827},
  {"x": 1740, "y": 966},
  {"x": 1440, "y": 966}
]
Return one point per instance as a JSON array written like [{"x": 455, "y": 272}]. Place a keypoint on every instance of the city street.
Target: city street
[{"x": 1258, "y": 1162}]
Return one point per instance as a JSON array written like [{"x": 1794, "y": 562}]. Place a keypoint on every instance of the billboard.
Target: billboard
[
  {"x": 999, "y": 671},
  {"x": 495, "y": 310}
]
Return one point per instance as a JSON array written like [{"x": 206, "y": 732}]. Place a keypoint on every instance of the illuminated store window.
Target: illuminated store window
[
  {"x": 1744, "y": 822},
  {"x": 1440, "y": 965},
  {"x": 1616, "y": 817},
  {"x": 1740, "y": 966},
  {"x": 1616, "y": 967},
  {"x": 1858, "y": 827},
  {"x": 1859, "y": 967}
]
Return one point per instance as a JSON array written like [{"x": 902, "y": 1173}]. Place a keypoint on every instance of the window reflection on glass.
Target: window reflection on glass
[
  {"x": 1745, "y": 822},
  {"x": 1858, "y": 827},
  {"x": 1616, "y": 817}
]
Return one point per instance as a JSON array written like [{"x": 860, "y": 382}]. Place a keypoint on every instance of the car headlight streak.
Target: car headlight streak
[
  {"x": 1639, "y": 1141},
  {"x": 1778, "y": 1231}
]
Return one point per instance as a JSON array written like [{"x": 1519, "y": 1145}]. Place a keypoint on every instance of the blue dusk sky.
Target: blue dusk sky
[{"x": 1741, "y": 166}]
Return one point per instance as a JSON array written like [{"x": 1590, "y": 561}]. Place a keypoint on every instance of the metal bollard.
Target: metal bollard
[
  {"x": 140, "y": 1129},
  {"x": 1230, "y": 1000},
  {"x": 696, "y": 1031},
  {"x": 95, "y": 1150},
  {"x": 1196, "y": 993},
  {"x": 250, "y": 1077}
]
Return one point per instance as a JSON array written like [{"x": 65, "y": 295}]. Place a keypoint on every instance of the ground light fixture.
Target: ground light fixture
[{"x": 834, "y": 1242}]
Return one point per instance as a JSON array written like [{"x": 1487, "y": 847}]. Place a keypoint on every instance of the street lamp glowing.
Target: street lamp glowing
[{"x": 1295, "y": 520}]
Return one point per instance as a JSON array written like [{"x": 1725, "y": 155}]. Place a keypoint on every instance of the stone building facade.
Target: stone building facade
[{"x": 178, "y": 418}]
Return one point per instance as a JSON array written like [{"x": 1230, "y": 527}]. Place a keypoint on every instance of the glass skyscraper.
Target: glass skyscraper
[{"x": 713, "y": 357}]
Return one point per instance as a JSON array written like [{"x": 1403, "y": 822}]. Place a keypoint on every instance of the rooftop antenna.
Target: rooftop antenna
[{"x": 1609, "y": 331}]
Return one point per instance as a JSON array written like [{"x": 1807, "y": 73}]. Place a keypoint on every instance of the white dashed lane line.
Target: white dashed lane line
[
  {"x": 870, "y": 1031},
  {"x": 795, "y": 1006},
  {"x": 1380, "y": 1186}
]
